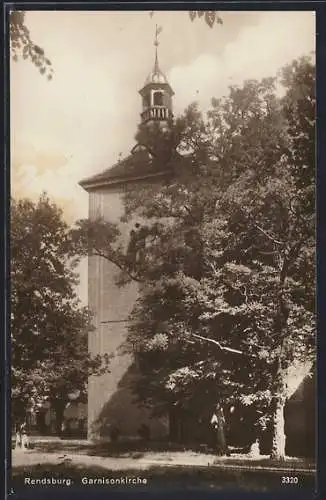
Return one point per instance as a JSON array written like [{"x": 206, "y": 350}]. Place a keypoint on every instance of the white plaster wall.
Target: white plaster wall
[{"x": 108, "y": 403}]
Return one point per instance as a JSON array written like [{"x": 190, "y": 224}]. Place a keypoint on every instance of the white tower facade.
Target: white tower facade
[{"x": 110, "y": 398}]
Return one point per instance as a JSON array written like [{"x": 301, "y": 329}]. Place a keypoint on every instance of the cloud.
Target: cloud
[
  {"x": 77, "y": 124},
  {"x": 196, "y": 82},
  {"x": 263, "y": 49},
  {"x": 59, "y": 180},
  {"x": 258, "y": 51},
  {"x": 42, "y": 159}
]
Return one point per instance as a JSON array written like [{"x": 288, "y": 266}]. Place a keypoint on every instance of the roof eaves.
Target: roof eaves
[{"x": 92, "y": 183}]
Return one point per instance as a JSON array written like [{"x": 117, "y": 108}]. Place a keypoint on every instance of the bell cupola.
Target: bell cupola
[{"x": 156, "y": 93}]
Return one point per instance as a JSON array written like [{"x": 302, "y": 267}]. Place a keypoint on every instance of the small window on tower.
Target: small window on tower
[
  {"x": 158, "y": 99},
  {"x": 146, "y": 101}
]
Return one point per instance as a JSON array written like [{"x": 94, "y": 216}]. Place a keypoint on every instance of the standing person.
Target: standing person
[
  {"x": 218, "y": 423},
  {"x": 24, "y": 436}
]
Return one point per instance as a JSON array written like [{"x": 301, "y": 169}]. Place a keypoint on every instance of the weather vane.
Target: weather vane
[{"x": 158, "y": 30}]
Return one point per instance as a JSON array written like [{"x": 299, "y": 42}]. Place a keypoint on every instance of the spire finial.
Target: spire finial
[{"x": 158, "y": 30}]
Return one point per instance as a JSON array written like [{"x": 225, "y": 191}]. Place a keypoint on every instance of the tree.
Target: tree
[
  {"x": 22, "y": 45},
  {"x": 210, "y": 16},
  {"x": 49, "y": 328},
  {"x": 226, "y": 275}
]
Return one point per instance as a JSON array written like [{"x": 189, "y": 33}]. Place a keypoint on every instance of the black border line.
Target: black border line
[{"x": 320, "y": 8}]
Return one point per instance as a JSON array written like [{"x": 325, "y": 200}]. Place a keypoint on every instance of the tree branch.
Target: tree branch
[
  {"x": 268, "y": 235},
  {"x": 99, "y": 253},
  {"x": 289, "y": 257},
  {"x": 213, "y": 268},
  {"x": 222, "y": 348}
]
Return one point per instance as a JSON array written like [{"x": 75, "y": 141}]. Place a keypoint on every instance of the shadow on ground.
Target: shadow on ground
[
  {"x": 121, "y": 449},
  {"x": 159, "y": 478},
  {"x": 138, "y": 449}
]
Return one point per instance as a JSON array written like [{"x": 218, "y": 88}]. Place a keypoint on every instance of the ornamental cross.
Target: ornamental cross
[{"x": 157, "y": 32}]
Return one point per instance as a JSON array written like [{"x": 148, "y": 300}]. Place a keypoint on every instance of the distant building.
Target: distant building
[{"x": 42, "y": 420}]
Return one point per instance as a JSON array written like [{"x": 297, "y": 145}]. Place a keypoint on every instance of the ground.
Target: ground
[{"x": 172, "y": 469}]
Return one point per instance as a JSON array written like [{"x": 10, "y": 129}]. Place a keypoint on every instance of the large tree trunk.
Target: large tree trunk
[
  {"x": 22, "y": 437},
  {"x": 20, "y": 428},
  {"x": 218, "y": 422},
  {"x": 278, "y": 445},
  {"x": 59, "y": 409},
  {"x": 19, "y": 417},
  {"x": 18, "y": 439},
  {"x": 175, "y": 425},
  {"x": 221, "y": 445},
  {"x": 280, "y": 325}
]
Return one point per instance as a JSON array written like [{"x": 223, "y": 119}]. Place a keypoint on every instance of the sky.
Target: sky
[{"x": 79, "y": 123}]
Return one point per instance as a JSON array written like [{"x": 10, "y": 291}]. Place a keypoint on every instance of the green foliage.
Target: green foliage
[
  {"x": 300, "y": 111},
  {"x": 226, "y": 274},
  {"x": 49, "y": 328},
  {"x": 209, "y": 16},
  {"x": 22, "y": 45}
]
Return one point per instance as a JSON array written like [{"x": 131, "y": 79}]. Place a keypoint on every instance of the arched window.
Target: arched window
[{"x": 158, "y": 98}]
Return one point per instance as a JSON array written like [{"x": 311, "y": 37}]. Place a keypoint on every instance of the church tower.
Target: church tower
[
  {"x": 156, "y": 94},
  {"x": 111, "y": 402}
]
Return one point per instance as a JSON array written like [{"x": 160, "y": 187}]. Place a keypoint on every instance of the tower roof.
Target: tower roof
[{"x": 156, "y": 75}]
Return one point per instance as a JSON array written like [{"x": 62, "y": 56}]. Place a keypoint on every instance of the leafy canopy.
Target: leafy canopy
[
  {"x": 22, "y": 45},
  {"x": 226, "y": 258},
  {"x": 49, "y": 328}
]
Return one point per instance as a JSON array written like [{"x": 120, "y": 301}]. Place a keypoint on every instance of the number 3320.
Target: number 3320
[{"x": 290, "y": 480}]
